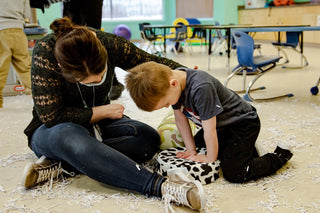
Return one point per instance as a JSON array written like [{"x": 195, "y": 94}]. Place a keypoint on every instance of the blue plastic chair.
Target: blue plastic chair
[
  {"x": 181, "y": 36},
  {"x": 256, "y": 63},
  {"x": 292, "y": 41}
]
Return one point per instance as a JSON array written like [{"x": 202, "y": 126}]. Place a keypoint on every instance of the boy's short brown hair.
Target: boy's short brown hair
[{"x": 148, "y": 83}]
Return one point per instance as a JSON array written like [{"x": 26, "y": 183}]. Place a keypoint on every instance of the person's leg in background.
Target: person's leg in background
[
  {"x": 21, "y": 59},
  {"x": 71, "y": 10},
  {"x": 91, "y": 13},
  {"x": 84, "y": 12},
  {"x": 5, "y": 60}
]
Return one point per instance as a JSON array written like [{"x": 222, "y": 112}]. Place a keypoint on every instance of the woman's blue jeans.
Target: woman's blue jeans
[{"x": 114, "y": 161}]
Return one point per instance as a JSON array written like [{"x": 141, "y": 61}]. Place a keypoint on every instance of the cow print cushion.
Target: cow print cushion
[{"x": 204, "y": 172}]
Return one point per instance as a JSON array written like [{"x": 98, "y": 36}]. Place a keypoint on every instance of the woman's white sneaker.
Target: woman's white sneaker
[{"x": 178, "y": 188}]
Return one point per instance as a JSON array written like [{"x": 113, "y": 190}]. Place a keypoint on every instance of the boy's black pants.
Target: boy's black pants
[{"x": 237, "y": 153}]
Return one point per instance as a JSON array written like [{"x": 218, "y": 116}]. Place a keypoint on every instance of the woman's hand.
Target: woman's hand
[
  {"x": 110, "y": 111},
  {"x": 114, "y": 111}
]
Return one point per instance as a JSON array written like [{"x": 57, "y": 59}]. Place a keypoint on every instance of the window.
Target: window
[{"x": 132, "y": 10}]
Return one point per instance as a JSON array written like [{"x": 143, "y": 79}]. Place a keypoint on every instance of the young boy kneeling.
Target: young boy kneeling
[{"x": 230, "y": 125}]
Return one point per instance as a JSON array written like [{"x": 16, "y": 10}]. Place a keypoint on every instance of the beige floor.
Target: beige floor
[{"x": 295, "y": 121}]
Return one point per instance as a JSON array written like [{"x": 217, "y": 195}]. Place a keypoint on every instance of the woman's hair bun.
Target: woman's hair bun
[{"x": 61, "y": 26}]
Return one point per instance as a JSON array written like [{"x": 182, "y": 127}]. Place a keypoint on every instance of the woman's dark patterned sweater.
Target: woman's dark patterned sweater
[{"x": 59, "y": 101}]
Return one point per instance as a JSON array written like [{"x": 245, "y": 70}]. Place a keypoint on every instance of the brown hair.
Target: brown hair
[
  {"x": 148, "y": 83},
  {"x": 77, "y": 50}
]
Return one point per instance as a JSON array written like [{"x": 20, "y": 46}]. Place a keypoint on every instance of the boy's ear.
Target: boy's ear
[{"x": 173, "y": 82}]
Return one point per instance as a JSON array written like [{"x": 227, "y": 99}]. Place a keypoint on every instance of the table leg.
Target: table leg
[
  {"x": 229, "y": 49},
  {"x": 301, "y": 49},
  {"x": 209, "y": 48},
  {"x": 164, "y": 40}
]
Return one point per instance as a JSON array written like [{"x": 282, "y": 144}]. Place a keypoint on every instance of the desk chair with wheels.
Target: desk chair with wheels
[
  {"x": 247, "y": 61},
  {"x": 292, "y": 41},
  {"x": 148, "y": 36}
]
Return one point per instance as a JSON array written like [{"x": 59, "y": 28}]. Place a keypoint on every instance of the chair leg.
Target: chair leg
[
  {"x": 149, "y": 45},
  {"x": 204, "y": 42},
  {"x": 259, "y": 51},
  {"x": 286, "y": 59},
  {"x": 315, "y": 90},
  {"x": 188, "y": 46},
  {"x": 302, "y": 59},
  {"x": 214, "y": 45},
  {"x": 237, "y": 70},
  {"x": 175, "y": 50},
  {"x": 248, "y": 96},
  {"x": 189, "y": 43},
  {"x": 223, "y": 47}
]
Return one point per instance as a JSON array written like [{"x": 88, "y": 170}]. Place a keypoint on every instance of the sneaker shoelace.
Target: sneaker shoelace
[
  {"x": 48, "y": 172},
  {"x": 51, "y": 172},
  {"x": 176, "y": 193}
]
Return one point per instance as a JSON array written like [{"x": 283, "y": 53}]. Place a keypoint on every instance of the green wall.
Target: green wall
[
  {"x": 225, "y": 12},
  {"x": 49, "y": 15}
]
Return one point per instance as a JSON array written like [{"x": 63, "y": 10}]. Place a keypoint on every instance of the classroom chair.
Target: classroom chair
[
  {"x": 198, "y": 35},
  {"x": 248, "y": 61},
  {"x": 292, "y": 41},
  {"x": 149, "y": 37},
  {"x": 181, "y": 36},
  {"x": 220, "y": 42}
]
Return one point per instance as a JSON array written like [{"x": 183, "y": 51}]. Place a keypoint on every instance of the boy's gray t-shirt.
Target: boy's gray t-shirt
[{"x": 205, "y": 97}]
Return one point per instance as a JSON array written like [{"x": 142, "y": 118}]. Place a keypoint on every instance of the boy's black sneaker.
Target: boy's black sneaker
[{"x": 283, "y": 151}]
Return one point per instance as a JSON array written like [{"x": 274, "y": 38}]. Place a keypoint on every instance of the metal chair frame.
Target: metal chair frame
[
  {"x": 255, "y": 63},
  {"x": 292, "y": 41}
]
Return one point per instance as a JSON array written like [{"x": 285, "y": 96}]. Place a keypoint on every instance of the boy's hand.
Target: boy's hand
[
  {"x": 200, "y": 158},
  {"x": 186, "y": 154}
]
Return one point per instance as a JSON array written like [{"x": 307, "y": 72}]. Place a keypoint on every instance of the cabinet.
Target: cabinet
[{"x": 283, "y": 15}]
